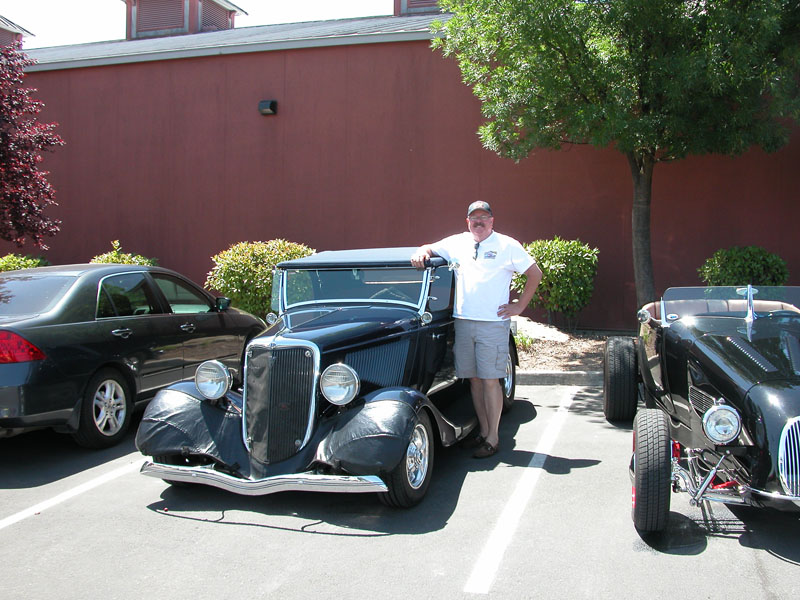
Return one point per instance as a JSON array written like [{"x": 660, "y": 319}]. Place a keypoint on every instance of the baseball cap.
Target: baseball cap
[{"x": 479, "y": 205}]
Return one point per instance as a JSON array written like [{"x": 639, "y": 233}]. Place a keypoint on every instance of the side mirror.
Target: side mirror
[{"x": 223, "y": 304}]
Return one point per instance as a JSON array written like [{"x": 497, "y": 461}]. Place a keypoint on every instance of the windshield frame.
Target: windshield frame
[
  {"x": 417, "y": 304},
  {"x": 750, "y": 302}
]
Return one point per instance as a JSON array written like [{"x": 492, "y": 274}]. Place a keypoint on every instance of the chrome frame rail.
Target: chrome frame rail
[
  {"x": 295, "y": 482},
  {"x": 685, "y": 482}
]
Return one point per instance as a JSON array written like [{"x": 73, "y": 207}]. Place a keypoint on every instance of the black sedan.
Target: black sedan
[
  {"x": 350, "y": 391},
  {"x": 718, "y": 370},
  {"x": 81, "y": 345}
]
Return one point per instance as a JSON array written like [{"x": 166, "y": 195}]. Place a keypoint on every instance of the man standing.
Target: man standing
[{"x": 484, "y": 263}]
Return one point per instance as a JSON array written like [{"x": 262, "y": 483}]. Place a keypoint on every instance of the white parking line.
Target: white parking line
[
  {"x": 485, "y": 569},
  {"x": 71, "y": 493}
]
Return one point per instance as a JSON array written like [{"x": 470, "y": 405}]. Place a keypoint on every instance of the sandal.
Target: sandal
[
  {"x": 474, "y": 442},
  {"x": 486, "y": 450}
]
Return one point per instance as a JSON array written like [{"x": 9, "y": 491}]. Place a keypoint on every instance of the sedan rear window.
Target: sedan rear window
[{"x": 31, "y": 294}]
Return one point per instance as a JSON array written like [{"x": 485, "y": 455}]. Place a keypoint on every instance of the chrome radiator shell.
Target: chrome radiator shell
[
  {"x": 789, "y": 458},
  {"x": 279, "y": 397}
]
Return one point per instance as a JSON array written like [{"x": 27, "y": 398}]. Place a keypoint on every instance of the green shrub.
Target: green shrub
[
  {"x": 524, "y": 342},
  {"x": 13, "y": 262},
  {"x": 744, "y": 265},
  {"x": 568, "y": 271},
  {"x": 243, "y": 272},
  {"x": 118, "y": 257}
]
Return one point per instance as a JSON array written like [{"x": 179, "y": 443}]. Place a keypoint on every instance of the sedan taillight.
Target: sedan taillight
[{"x": 15, "y": 349}]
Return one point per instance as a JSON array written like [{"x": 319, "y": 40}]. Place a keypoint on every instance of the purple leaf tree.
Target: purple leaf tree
[{"x": 25, "y": 192}]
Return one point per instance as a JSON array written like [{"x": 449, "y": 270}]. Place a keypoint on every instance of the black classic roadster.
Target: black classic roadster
[
  {"x": 350, "y": 390},
  {"x": 718, "y": 370}
]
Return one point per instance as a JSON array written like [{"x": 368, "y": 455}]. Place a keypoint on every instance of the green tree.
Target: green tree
[{"x": 657, "y": 80}]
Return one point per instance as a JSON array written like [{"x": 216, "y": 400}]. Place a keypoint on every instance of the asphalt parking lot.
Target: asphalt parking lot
[{"x": 547, "y": 517}]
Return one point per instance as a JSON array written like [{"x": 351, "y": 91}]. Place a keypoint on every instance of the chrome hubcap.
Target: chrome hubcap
[
  {"x": 508, "y": 381},
  {"x": 109, "y": 408},
  {"x": 417, "y": 457}
]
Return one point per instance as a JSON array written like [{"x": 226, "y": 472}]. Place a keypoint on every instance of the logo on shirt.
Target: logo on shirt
[{"x": 491, "y": 254}]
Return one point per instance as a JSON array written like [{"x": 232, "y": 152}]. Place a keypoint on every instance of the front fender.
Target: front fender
[
  {"x": 178, "y": 421},
  {"x": 373, "y": 438}
]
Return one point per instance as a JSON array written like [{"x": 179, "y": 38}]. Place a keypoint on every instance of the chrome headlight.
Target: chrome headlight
[
  {"x": 213, "y": 379},
  {"x": 339, "y": 384},
  {"x": 722, "y": 424}
]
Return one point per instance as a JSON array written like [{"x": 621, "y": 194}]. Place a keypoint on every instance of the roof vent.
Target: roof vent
[
  {"x": 161, "y": 18},
  {"x": 412, "y": 7}
]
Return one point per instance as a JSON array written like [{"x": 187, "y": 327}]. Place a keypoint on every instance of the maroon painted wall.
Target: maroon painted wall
[{"x": 372, "y": 145}]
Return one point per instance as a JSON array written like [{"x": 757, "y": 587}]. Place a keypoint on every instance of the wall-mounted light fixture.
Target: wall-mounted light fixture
[{"x": 268, "y": 107}]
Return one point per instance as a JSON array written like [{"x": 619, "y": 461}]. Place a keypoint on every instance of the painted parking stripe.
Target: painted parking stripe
[
  {"x": 485, "y": 569},
  {"x": 71, "y": 493}
]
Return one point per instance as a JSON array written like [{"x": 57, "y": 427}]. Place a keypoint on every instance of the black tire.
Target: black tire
[
  {"x": 508, "y": 384},
  {"x": 106, "y": 410},
  {"x": 409, "y": 480},
  {"x": 619, "y": 379},
  {"x": 652, "y": 471}
]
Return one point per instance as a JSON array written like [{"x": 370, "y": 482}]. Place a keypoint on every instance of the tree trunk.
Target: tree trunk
[{"x": 642, "y": 164}]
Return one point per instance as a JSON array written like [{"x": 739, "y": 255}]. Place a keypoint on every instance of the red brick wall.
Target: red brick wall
[{"x": 373, "y": 145}]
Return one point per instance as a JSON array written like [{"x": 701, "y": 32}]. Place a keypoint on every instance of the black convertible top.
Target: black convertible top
[{"x": 365, "y": 257}]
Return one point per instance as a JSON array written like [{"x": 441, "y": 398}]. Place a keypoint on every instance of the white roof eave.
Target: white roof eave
[
  {"x": 262, "y": 38},
  {"x": 221, "y": 50}
]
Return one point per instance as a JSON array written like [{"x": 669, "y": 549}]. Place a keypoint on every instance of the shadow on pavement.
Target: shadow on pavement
[
  {"x": 772, "y": 531},
  {"x": 350, "y": 514},
  {"x": 40, "y": 457}
]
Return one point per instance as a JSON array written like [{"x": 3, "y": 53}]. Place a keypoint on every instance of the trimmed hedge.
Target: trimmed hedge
[
  {"x": 118, "y": 257},
  {"x": 14, "y": 262},
  {"x": 243, "y": 272},
  {"x": 744, "y": 265},
  {"x": 568, "y": 271}
]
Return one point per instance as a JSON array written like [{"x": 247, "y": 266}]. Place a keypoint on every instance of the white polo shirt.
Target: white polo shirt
[{"x": 482, "y": 281}]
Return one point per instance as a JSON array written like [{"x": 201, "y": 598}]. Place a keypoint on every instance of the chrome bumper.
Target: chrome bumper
[{"x": 299, "y": 482}]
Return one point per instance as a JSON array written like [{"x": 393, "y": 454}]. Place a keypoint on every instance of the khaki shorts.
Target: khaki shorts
[{"x": 481, "y": 348}]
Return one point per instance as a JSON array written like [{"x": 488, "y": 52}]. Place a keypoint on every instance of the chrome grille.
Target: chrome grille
[
  {"x": 700, "y": 401},
  {"x": 789, "y": 457},
  {"x": 279, "y": 399}
]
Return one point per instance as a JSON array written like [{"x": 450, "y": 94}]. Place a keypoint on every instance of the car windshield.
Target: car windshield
[
  {"x": 31, "y": 294},
  {"x": 731, "y": 301},
  {"x": 396, "y": 285}
]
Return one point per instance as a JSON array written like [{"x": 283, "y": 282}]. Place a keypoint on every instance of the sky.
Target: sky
[{"x": 62, "y": 22}]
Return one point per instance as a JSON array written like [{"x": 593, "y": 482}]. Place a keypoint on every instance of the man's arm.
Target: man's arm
[
  {"x": 422, "y": 254},
  {"x": 515, "y": 308}
]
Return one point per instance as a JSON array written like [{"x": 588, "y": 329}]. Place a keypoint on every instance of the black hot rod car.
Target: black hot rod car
[
  {"x": 718, "y": 369},
  {"x": 346, "y": 392}
]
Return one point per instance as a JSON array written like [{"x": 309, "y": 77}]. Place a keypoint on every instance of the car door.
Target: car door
[
  {"x": 435, "y": 349},
  {"x": 205, "y": 332},
  {"x": 128, "y": 310}
]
